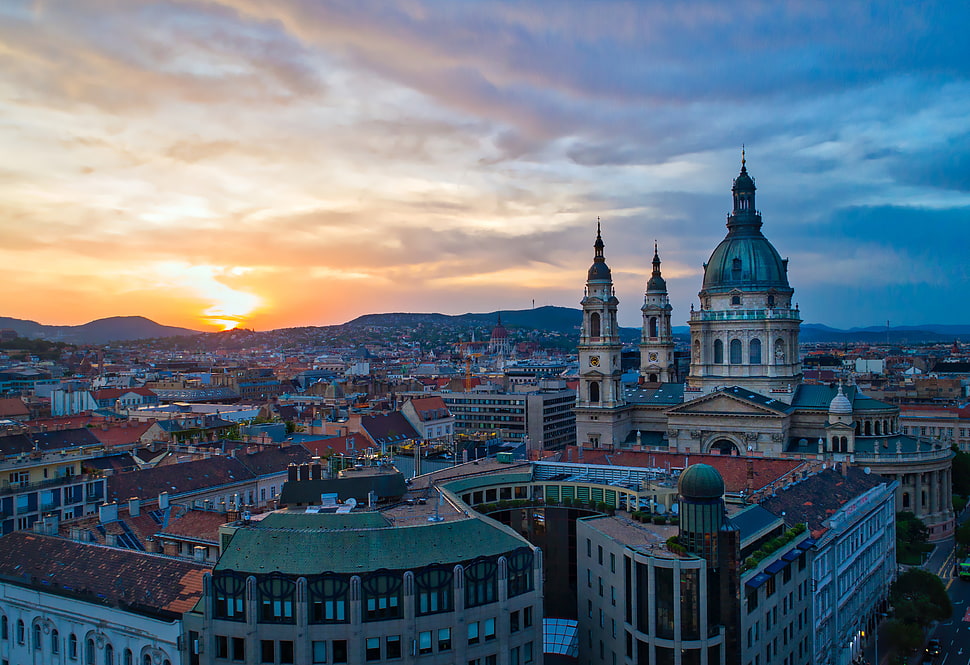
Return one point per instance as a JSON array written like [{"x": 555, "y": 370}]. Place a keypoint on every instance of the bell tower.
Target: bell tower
[
  {"x": 600, "y": 391},
  {"x": 657, "y": 341}
]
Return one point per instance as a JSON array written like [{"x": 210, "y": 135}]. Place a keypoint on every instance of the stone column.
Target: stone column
[{"x": 918, "y": 494}]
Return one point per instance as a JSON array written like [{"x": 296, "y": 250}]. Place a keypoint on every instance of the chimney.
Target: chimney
[
  {"x": 76, "y": 534},
  {"x": 151, "y": 546},
  {"x": 134, "y": 506},
  {"x": 199, "y": 553},
  {"x": 163, "y": 501},
  {"x": 108, "y": 512},
  {"x": 170, "y": 548},
  {"x": 111, "y": 540}
]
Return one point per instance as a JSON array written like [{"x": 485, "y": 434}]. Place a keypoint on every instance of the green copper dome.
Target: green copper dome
[
  {"x": 701, "y": 481},
  {"x": 745, "y": 260}
]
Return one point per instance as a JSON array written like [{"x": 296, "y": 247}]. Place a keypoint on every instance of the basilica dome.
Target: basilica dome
[{"x": 745, "y": 260}]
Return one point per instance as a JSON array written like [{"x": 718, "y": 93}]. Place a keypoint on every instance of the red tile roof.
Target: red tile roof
[
  {"x": 734, "y": 469},
  {"x": 12, "y": 406},
  {"x": 121, "y": 434},
  {"x": 142, "y": 583}
]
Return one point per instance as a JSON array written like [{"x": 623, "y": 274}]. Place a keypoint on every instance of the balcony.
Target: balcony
[
  {"x": 7, "y": 487},
  {"x": 771, "y": 314}
]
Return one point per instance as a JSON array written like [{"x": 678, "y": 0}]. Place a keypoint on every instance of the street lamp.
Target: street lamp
[{"x": 875, "y": 635}]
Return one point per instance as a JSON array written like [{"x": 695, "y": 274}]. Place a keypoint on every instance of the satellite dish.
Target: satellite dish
[{"x": 867, "y": 470}]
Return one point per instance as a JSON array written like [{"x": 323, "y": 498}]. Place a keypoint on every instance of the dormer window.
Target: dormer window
[
  {"x": 735, "y": 300},
  {"x": 736, "y": 265},
  {"x": 771, "y": 301}
]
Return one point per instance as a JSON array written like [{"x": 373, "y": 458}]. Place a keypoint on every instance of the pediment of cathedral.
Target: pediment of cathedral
[{"x": 723, "y": 403}]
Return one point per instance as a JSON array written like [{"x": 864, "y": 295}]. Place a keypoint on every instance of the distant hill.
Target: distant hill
[
  {"x": 818, "y": 333},
  {"x": 560, "y": 319},
  {"x": 115, "y": 328}
]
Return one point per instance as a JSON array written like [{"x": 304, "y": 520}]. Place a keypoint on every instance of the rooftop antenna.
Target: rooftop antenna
[{"x": 437, "y": 513}]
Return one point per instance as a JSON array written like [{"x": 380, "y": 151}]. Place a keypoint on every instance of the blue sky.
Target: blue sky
[{"x": 301, "y": 162}]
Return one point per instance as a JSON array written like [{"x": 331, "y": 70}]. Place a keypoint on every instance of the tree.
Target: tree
[
  {"x": 904, "y": 637},
  {"x": 961, "y": 472},
  {"x": 920, "y": 597}
]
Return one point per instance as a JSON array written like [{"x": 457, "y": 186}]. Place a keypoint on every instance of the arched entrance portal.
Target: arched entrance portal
[{"x": 724, "y": 447}]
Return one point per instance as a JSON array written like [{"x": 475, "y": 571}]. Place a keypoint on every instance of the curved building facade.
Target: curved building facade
[{"x": 367, "y": 588}]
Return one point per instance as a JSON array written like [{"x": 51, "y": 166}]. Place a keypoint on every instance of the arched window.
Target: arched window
[
  {"x": 55, "y": 641},
  {"x": 329, "y": 598},
  {"x": 230, "y": 592},
  {"x": 718, "y": 352},
  {"x": 435, "y": 589},
  {"x": 37, "y": 636},
  {"x": 520, "y": 572},
  {"x": 146, "y": 660},
  {"x": 481, "y": 582},
  {"x": 905, "y": 499},
  {"x": 878, "y": 428},
  {"x": 109, "y": 655},
  {"x": 277, "y": 595},
  {"x": 771, "y": 301},
  {"x": 594, "y": 391},
  {"x": 128, "y": 658},
  {"x": 72, "y": 646},
  {"x": 4, "y": 627},
  {"x": 653, "y": 326},
  {"x": 383, "y": 595},
  {"x": 779, "y": 351},
  {"x": 21, "y": 632},
  {"x": 754, "y": 351},
  {"x": 735, "y": 300},
  {"x": 89, "y": 651},
  {"x": 868, "y": 428},
  {"x": 652, "y": 378},
  {"x": 594, "y": 324},
  {"x": 736, "y": 352}
]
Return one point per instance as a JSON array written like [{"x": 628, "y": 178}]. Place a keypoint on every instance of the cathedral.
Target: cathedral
[{"x": 744, "y": 393}]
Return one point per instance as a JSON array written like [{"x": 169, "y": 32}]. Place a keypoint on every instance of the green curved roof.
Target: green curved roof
[{"x": 701, "y": 481}]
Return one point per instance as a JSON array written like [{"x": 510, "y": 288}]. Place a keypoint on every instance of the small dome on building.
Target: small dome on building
[
  {"x": 701, "y": 481},
  {"x": 840, "y": 403}
]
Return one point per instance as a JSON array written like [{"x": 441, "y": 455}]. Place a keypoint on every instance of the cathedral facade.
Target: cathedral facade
[{"x": 744, "y": 393}]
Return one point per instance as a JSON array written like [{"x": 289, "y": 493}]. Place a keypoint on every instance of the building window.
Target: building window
[
  {"x": 4, "y": 627},
  {"x": 488, "y": 629},
  {"x": 21, "y": 632},
  {"x": 594, "y": 325},
  {"x": 109, "y": 655},
  {"x": 481, "y": 582},
  {"x": 230, "y": 594},
  {"x": 473, "y": 634},
  {"x": 372, "y": 649},
  {"x": 520, "y": 565},
  {"x": 222, "y": 646},
  {"x": 424, "y": 642},
  {"x": 37, "y": 637},
  {"x": 392, "y": 646},
  {"x": 514, "y": 622},
  {"x": 239, "y": 648},
  {"x": 381, "y": 596},
  {"x": 276, "y": 593},
  {"x": 319, "y": 654},
  {"x": 444, "y": 639},
  {"x": 328, "y": 597},
  {"x": 754, "y": 352},
  {"x": 267, "y": 651},
  {"x": 128, "y": 658},
  {"x": 55, "y": 641},
  {"x": 89, "y": 651},
  {"x": 735, "y": 352},
  {"x": 435, "y": 589},
  {"x": 718, "y": 352},
  {"x": 72, "y": 646}
]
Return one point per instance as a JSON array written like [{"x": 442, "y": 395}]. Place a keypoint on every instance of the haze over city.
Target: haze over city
[{"x": 213, "y": 164}]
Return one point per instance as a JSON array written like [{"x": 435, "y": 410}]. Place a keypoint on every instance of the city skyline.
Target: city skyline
[{"x": 300, "y": 163}]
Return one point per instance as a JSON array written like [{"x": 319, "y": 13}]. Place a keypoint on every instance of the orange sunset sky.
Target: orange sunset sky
[{"x": 287, "y": 163}]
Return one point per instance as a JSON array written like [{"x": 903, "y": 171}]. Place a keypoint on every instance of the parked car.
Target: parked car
[{"x": 933, "y": 648}]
